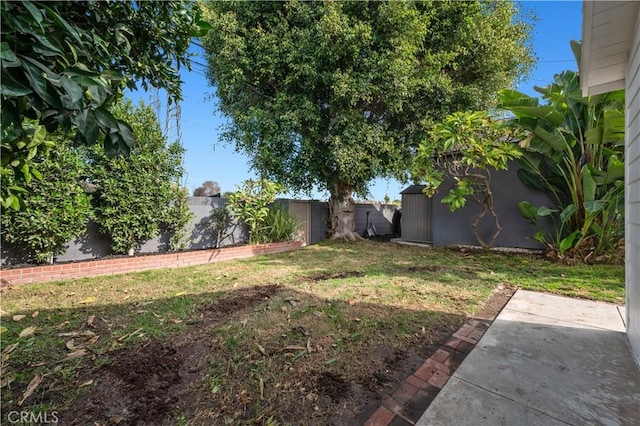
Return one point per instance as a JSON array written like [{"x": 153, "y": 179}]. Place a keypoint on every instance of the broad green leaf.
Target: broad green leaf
[
  {"x": 555, "y": 141},
  {"x": 546, "y": 211},
  {"x": 528, "y": 210},
  {"x": 68, "y": 29},
  {"x": 567, "y": 242},
  {"x": 567, "y": 213},
  {"x": 9, "y": 59},
  {"x": 548, "y": 113},
  {"x": 39, "y": 84},
  {"x": 34, "y": 11},
  {"x": 614, "y": 125},
  {"x": 510, "y": 97},
  {"x": 11, "y": 87},
  {"x": 73, "y": 89},
  {"x": 594, "y": 206},
  {"x": 588, "y": 184}
]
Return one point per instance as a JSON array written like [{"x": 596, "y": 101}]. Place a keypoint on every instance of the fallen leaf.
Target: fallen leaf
[
  {"x": 35, "y": 314},
  {"x": 294, "y": 348},
  {"x": 3, "y": 329},
  {"x": 352, "y": 302},
  {"x": 309, "y": 348},
  {"x": 28, "y": 331},
  {"x": 37, "y": 364},
  {"x": 89, "y": 299},
  {"x": 85, "y": 333},
  {"x": 33, "y": 384},
  {"x": 18, "y": 317},
  {"x": 10, "y": 349},
  {"x": 76, "y": 354},
  {"x": 90, "y": 320},
  {"x": 71, "y": 345},
  {"x": 261, "y": 349},
  {"x": 59, "y": 326},
  {"x": 181, "y": 293},
  {"x": 92, "y": 340},
  {"x": 87, "y": 383}
]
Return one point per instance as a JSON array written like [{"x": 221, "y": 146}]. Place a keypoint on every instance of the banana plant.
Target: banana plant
[{"x": 575, "y": 153}]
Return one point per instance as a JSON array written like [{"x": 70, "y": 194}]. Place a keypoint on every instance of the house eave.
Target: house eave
[{"x": 607, "y": 32}]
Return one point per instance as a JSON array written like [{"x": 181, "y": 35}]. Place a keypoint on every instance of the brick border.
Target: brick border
[
  {"x": 410, "y": 400},
  {"x": 38, "y": 274}
]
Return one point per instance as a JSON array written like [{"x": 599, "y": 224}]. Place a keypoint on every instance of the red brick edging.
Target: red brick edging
[
  {"x": 409, "y": 401},
  {"x": 36, "y": 274}
]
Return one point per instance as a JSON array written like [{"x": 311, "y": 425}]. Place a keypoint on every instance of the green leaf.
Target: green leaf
[
  {"x": 567, "y": 242},
  {"x": 73, "y": 89},
  {"x": 548, "y": 113},
  {"x": 546, "y": 211},
  {"x": 594, "y": 206},
  {"x": 11, "y": 87},
  {"x": 38, "y": 82},
  {"x": 528, "y": 210},
  {"x": 588, "y": 184},
  {"x": 9, "y": 59},
  {"x": 34, "y": 11},
  {"x": 567, "y": 213}
]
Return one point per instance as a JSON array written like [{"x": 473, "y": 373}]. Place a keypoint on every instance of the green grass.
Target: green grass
[{"x": 346, "y": 301}]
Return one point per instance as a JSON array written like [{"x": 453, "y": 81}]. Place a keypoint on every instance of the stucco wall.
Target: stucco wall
[{"x": 632, "y": 213}]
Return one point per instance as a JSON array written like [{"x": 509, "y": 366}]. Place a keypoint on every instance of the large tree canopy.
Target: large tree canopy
[
  {"x": 64, "y": 63},
  {"x": 334, "y": 94}
]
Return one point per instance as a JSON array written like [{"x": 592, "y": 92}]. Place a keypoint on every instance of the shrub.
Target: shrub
[
  {"x": 56, "y": 209},
  {"x": 279, "y": 225}
]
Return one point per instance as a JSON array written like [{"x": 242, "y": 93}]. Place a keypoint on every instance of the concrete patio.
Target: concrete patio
[{"x": 545, "y": 360}]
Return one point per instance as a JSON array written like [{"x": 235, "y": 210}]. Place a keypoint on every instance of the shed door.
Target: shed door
[{"x": 416, "y": 218}]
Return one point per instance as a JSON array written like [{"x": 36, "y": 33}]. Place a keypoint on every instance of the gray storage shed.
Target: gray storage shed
[{"x": 417, "y": 211}]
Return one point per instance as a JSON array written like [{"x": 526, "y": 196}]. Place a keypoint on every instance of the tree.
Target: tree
[
  {"x": 64, "y": 63},
  {"x": 575, "y": 153},
  {"x": 463, "y": 149},
  {"x": 135, "y": 197},
  {"x": 334, "y": 94},
  {"x": 208, "y": 188},
  {"x": 56, "y": 208}
]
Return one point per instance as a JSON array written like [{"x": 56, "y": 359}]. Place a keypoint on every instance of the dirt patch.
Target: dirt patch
[
  {"x": 426, "y": 268},
  {"x": 496, "y": 302},
  {"x": 324, "y": 276},
  {"x": 142, "y": 385},
  {"x": 332, "y": 385}
]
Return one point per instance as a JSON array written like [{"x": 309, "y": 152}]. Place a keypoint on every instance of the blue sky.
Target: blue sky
[{"x": 208, "y": 159}]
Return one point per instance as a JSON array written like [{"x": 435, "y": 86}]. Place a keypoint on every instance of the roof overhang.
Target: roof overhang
[{"x": 607, "y": 33}]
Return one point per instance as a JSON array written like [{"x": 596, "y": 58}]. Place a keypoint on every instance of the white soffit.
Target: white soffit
[{"x": 607, "y": 32}]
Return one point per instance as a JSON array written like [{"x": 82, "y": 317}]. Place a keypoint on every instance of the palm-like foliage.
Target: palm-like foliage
[{"x": 575, "y": 153}]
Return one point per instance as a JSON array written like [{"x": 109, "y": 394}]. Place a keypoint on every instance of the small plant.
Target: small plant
[
  {"x": 279, "y": 225},
  {"x": 250, "y": 203},
  {"x": 177, "y": 218}
]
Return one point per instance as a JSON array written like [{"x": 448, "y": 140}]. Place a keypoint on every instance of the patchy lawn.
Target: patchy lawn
[{"x": 315, "y": 336}]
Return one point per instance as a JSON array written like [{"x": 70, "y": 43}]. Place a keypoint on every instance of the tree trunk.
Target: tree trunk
[{"x": 342, "y": 209}]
